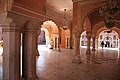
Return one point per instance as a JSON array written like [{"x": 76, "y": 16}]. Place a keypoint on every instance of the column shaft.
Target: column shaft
[
  {"x": 71, "y": 47},
  {"x": 37, "y": 52},
  {"x": 119, "y": 44},
  {"x": 29, "y": 55},
  {"x": 96, "y": 42},
  {"x": 88, "y": 45},
  {"x": 59, "y": 40},
  {"x": 77, "y": 46},
  {"x": 11, "y": 53},
  {"x": 93, "y": 45},
  {"x": 77, "y": 57}
]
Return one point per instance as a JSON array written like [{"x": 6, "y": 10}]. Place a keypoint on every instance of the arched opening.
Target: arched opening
[
  {"x": 48, "y": 35},
  {"x": 67, "y": 36},
  {"x": 42, "y": 39},
  {"x": 110, "y": 39},
  {"x": 83, "y": 40}
]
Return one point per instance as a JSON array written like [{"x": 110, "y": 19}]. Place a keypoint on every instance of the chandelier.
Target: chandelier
[
  {"x": 109, "y": 10},
  {"x": 65, "y": 27}
]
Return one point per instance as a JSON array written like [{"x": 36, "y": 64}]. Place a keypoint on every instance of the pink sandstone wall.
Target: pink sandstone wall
[
  {"x": 34, "y": 5},
  {"x": 62, "y": 39}
]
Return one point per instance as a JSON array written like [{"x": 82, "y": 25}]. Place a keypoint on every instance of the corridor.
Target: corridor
[{"x": 54, "y": 65}]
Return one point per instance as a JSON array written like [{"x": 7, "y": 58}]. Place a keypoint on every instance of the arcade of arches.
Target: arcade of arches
[{"x": 25, "y": 25}]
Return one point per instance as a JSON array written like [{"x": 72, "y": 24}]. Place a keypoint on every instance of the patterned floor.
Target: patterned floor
[{"x": 54, "y": 65}]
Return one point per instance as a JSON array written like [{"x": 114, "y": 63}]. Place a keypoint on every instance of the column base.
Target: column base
[
  {"x": 37, "y": 53},
  {"x": 96, "y": 47},
  {"x": 71, "y": 47},
  {"x": 59, "y": 49},
  {"x": 30, "y": 78},
  {"x": 93, "y": 49},
  {"x": 88, "y": 51},
  {"x": 77, "y": 59}
]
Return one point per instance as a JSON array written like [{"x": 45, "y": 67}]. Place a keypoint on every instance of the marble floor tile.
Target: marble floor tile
[{"x": 99, "y": 65}]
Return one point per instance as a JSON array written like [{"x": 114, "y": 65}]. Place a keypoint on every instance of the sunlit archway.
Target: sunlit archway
[
  {"x": 83, "y": 40},
  {"x": 110, "y": 39},
  {"x": 49, "y": 35},
  {"x": 43, "y": 38},
  {"x": 67, "y": 38}
]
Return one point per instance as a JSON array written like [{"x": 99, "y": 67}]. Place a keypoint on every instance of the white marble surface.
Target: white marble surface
[{"x": 54, "y": 65}]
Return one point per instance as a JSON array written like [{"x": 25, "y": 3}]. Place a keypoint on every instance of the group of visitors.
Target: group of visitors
[{"x": 106, "y": 44}]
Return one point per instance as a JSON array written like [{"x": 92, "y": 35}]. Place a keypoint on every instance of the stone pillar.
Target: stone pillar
[
  {"x": 119, "y": 44},
  {"x": 11, "y": 51},
  {"x": 93, "y": 44},
  {"x": 71, "y": 46},
  {"x": 1, "y": 34},
  {"x": 37, "y": 52},
  {"x": 88, "y": 51},
  {"x": 7, "y": 4},
  {"x": 77, "y": 57},
  {"x": 29, "y": 52},
  {"x": 67, "y": 42},
  {"x": 55, "y": 42},
  {"x": 59, "y": 40},
  {"x": 37, "y": 34},
  {"x": 96, "y": 42}
]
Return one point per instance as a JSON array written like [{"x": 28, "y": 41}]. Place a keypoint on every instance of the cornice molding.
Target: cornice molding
[
  {"x": 83, "y": 2},
  {"x": 27, "y": 13},
  {"x": 78, "y": 0},
  {"x": 28, "y": 10}
]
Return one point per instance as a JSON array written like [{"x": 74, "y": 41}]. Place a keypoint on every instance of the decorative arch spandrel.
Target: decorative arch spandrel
[{"x": 82, "y": 11}]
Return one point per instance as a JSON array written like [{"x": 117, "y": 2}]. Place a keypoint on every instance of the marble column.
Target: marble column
[
  {"x": 59, "y": 40},
  {"x": 93, "y": 44},
  {"x": 96, "y": 42},
  {"x": 6, "y": 5},
  {"x": 1, "y": 34},
  {"x": 119, "y": 44},
  {"x": 88, "y": 51},
  {"x": 77, "y": 57},
  {"x": 29, "y": 52},
  {"x": 71, "y": 43},
  {"x": 37, "y": 34},
  {"x": 11, "y": 51}
]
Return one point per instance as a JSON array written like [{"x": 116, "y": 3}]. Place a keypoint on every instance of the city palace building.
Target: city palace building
[{"x": 59, "y": 39}]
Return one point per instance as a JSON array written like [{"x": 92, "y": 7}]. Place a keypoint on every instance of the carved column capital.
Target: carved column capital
[
  {"x": 10, "y": 26},
  {"x": 11, "y": 54},
  {"x": 119, "y": 36},
  {"x": 93, "y": 35},
  {"x": 75, "y": 1},
  {"x": 3, "y": 17},
  {"x": 88, "y": 34},
  {"x": 97, "y": 37},
  {"x": 77, "y": 34},
  {"x": 31, "y": 26},
  {"x": 6, "y": 5}
]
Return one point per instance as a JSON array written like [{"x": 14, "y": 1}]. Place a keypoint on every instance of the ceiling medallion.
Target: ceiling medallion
[{"x": 110, "y": 9}]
